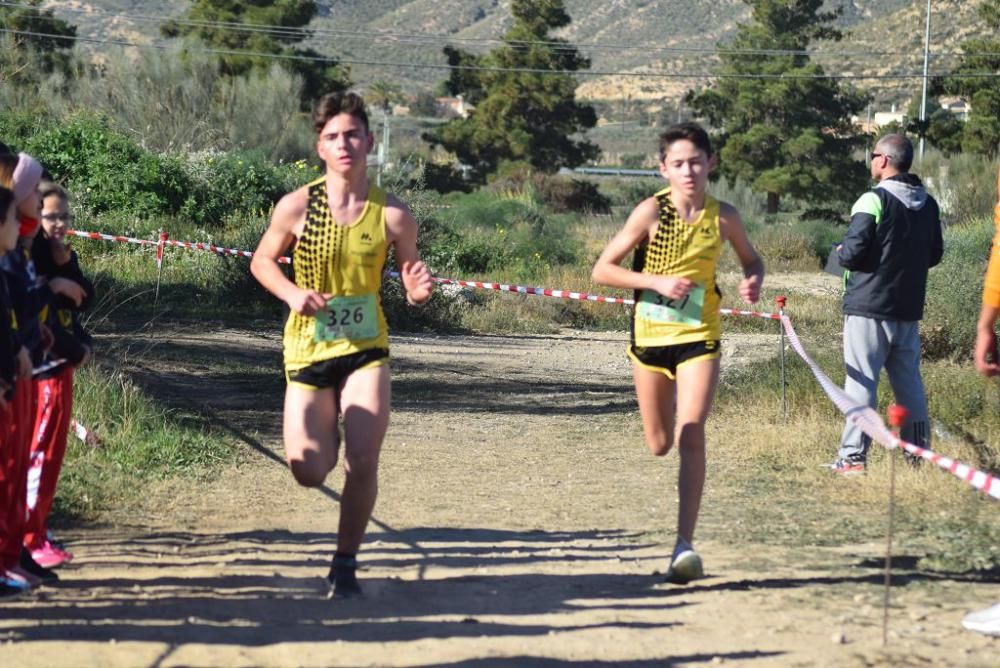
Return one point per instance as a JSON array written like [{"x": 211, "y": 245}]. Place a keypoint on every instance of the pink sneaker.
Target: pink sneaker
[{"x": 50, "y": 556}]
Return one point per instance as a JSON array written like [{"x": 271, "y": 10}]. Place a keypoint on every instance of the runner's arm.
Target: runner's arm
[
  {"x": 753, "y": 265},
  {"x": 985, "y": 351},
  {"x": 608, "y": 270},
  {"x": 280, "y": 235},
  {"x": 418, "y": 282}
]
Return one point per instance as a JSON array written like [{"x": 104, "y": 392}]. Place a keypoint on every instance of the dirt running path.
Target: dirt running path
[{"x": 520, "y": 523}]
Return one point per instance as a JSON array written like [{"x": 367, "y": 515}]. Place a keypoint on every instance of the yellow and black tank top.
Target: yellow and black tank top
[
  {"x": 689, "y": 250},
  {"x": 345, "y": 261}
]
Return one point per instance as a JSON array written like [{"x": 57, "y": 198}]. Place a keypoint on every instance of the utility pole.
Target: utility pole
[
  {"x": 383, "y": 147},
  {"x": 923, "y": 98},
  {"x": 868, "y": 129}
]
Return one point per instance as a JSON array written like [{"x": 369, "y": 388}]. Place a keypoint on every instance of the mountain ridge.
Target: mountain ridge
[{"x": 613, "y": 33}]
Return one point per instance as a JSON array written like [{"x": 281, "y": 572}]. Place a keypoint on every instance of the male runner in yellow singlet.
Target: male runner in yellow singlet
[
  {"x": 336, "y": 343},
  {"x": 677, "y": 235}
]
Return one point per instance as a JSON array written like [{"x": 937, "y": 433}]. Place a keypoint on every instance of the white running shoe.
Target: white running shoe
[
  {"x": 685, "y": 567},
  {"x": 984, "y": 621}
]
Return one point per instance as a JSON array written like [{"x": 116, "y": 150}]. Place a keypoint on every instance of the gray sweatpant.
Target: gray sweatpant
[{"x": 869, "y": 345}]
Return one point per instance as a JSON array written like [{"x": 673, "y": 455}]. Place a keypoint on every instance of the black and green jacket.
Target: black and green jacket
[{"x": 894, "y": 238}]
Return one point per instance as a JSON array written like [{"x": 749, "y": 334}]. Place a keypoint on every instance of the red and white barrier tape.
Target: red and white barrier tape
[
  {"x": 191, "y": 245},
  {"x": 871, "y": 423},
  {"x": 481, "y": 285},
  {"x": 111, "y": 237},
  {"x": 751, "y": 314},
  {"x": 567, "y": 294},
  {"x": 525, "y": 290},
  {"x": 866, "y": 418}
]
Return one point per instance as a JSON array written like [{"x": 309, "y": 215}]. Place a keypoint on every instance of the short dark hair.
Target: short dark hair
[
  {"x": 49, "y": 188},
  {"x": 898, "y": 151},
  {"x": 344, "y": 102},
  {"x": 692, "y": 132},
  {"x": 6, "y": 201}
]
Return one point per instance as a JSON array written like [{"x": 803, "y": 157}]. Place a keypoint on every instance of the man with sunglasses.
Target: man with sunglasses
[{"x": 894, "y": 238}]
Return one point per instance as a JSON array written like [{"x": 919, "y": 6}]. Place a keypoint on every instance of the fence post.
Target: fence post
[
  {"x": 897, "y": 416},
  {"x": 780, "y": 300},
  {"x": 160, "y": 245}
]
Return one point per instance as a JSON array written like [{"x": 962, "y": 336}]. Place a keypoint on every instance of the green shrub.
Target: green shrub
[
  {"x": 634, "y": 160},
  {"x": 954, "y": 291},
  {"x": 106, "y": 171},
  {"x": 226, "y": 183},
  {"x": 964, "y": 184},
  {"x": 565, "y": 195},
  {"x": 559, "y": 193},
  {"x": 507, "y": 234},
  {"x": 751, "y": 205},
  {"x": 627, "y": 192},
  {"x": 103, "y": 168}
]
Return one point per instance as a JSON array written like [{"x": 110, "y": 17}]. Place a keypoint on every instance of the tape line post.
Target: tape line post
[{"x": 864, "y": 417}]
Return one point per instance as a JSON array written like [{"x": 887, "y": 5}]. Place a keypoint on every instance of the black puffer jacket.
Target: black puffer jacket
[{"x": 894, "y": 238}]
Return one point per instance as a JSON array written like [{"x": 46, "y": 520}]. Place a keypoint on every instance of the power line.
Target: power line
[
  {"x": 480, "y": 68},
  {"x": 436, "y": 39}
]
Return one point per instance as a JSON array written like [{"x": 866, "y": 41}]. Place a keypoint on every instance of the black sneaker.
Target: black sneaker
[
  {"x": 9, "y": 592},
  {"x": 46, "y": 575},
  {"x": 343, "y": 578}
]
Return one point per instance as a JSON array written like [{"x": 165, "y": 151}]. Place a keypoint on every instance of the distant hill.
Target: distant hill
[{"x": 620, "y": 36}]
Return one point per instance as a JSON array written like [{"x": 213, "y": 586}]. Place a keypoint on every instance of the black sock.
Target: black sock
[{"x": 345, "y": 560}]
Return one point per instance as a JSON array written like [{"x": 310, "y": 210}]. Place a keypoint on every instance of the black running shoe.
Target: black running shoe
[
  {"x": 46, "y": 575},
  {"x": 9, "y": 592},
  {"x": 343, "y": 578}
]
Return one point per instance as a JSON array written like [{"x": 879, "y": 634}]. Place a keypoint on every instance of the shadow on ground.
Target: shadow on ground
[{"x": 250, "y": 589}]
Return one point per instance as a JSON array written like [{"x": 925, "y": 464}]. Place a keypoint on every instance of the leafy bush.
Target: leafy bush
[
  {"x": 508, "y": 234},
  {"x": 564, "y": 194},
  {"x": 164, "y": 101},
  {"x": 628, "y": 192},
  {"x": 559, "y": 193},
  {"x": 954, "y": 292},
  {"x": 225, "y": 183},
  {"x": 103, "y": 168},
  {"x": 964, "y": 184},
  {"x": 444, "y": 178},
  {"x": 183, "y": 101},
  {"x": 634, "y": 160}
]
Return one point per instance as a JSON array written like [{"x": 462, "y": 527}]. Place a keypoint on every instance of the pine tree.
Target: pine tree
[
  {"x": 981, "y": 57},
  {"x": 271, "y": 27},
  {"x": 790, "y": 135},
  {"x": 520, "y": 115}
]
